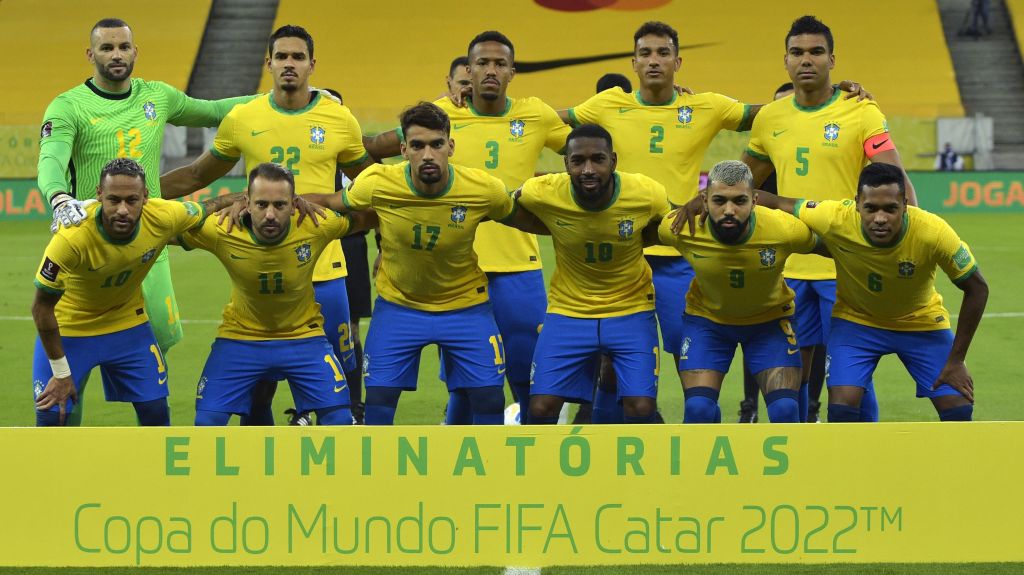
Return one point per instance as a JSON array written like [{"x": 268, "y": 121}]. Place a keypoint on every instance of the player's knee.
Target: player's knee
[
  {"x": 206, "y": 418},
  {"x": 848, "y": 395},
  {"x": 638, "y": 406},
  {"x": 545, "y": 406},
  {"x": 337, "y": 415},
  {"x": 960, "y": 413},
  {"x": 838, "y": 413},
  {"x": 701, "y": 405},
  {"x": 153, "y": 413},
  {"x": 488, "y": 400},
  {"x": 783, "y": 406}
]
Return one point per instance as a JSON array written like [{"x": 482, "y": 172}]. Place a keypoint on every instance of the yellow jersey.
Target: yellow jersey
[
  {"x": 271, "y": 283},
  {"x": 889, "y": 287},
  {"x": 818, "y": 154},
  {"x": 741, "y": 284},
  {"x": 100, "y": 277},
  {"x": 427, "y": 258},
  {"x": 507, "y": 147},
  {"x": 663, "y": 141},
  {"x": 600, "y": 270},
  {"x": 311, "y": 142}
]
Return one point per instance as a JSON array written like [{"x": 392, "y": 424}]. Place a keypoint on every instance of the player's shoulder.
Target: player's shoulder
[
  {"x": 635, "y": 180},
  {"x": 259, "y": 105},
  {"x": 781, "y": 107},
  {"x": 925, "y": 222},
  {"x": 530, "y": 105},
  {"x": 709, "y": 99},
  {"x": 75, "y": 236},
  {"x": 613, "y": 97},
  {"x": 772, "y": 219},
  {"x": 547, "y": 182},
  {"x": 475, "y": 175}
]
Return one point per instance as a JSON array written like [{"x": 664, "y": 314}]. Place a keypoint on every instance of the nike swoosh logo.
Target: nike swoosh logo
[
  {"x": 339, "y": 389},
  {"x": 562, "y": 224},
  {"x": 461, "y": 126},
  {"x": 501, "y": 371},
  {"x": 255, "y": 133},
  {"x": 779, "y": 133},
  {"x": 879, "y": 144},
  {"x": 161, "y": 381},
  {"x": 792, "y": 351},
  {"x": 234, "y": 257},
  {"x": 624, "y": 110}
]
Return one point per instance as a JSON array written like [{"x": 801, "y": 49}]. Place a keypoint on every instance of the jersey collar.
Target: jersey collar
[
  {"x": 116, "y": 242},
  {"x": 508, "y": 106},
  {"x": 448, "y": 188},
  {"x": 312, "y": 102},
  {"x": 826, "y": 103},
  {"x": 636, "y": 94},
  {"x": 746, "y": 235},
  {"x": 903, "y": 234},
  {"x": 109, "y": 95},
  {"x": 615, "y": 195}
]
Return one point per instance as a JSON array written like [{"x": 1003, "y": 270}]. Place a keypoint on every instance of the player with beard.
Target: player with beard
[{"x": 738, "y": 297}]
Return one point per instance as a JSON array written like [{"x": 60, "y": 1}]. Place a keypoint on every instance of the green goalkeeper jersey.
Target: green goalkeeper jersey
[{"x": 86, "y": 127}]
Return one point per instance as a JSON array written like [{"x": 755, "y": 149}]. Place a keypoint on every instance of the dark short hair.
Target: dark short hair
[
  {"x": 657, "y": 29},
  {"x": 614, "y": 81},
  {"x": 881, "y": 174},
  {"x": 272, "y": 173},
  {"x": 810, "y": 25},
  {"x": 290, "y": 31},
  {"x": 784, "y": 88},
  {"x": 334, "y": 93},
  {"x": 461, "y": 61},
  {"x": 426, "y": 115},
  {"x": 108, "y": 23},
  {"x": 492, "y": 36},
  {"x": 589, "y": 131},
  {"x": 124, "y": 167}
]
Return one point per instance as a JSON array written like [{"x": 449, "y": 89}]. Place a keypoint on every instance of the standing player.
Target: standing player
[
  {"x": 312, "y": 136},
  {"x": 602, "y": 300},
  {"x": 430, "y": 288},
  {"x": 503, "y": 136},
  {"x": 738, "y": 297},
  {"x": 272, "y": 326},
  {"x": 88, "y": 306},
  {"x": 112, "y": 115},
  {"x": 817, "y": 142},
  {"x": 886, "y": 255},
  {"x": 458, "y": 79}
]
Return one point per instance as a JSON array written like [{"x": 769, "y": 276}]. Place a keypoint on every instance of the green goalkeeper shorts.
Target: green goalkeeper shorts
[{"x": 161, "y": 306}]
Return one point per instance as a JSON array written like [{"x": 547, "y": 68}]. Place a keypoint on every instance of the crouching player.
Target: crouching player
[
  {"x": 272, "y": 327},
  {"x": 738, "y": 297}
]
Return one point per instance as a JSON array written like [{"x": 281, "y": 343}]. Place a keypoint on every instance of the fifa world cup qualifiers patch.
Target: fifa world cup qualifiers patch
[
  {"x": 962, "y": 257},
  {"x": 46, "y": 131},
  {"x": 49, "y": 270}
]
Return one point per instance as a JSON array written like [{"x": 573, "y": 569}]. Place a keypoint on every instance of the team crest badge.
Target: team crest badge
[
  {"x": 831, "y": 131},
  {"x": 685, "y": 114},
  {"x": 517, "y": 128},
  {"x": 459, "y": 214},
  {"x": 685, "y": 348},
  {"x": 828, "y": 364},
  {"x": 201, "y": 387},
  {"x": 625, "y": 229},
  {"x": 303, "y": 253},
  {"x": 533, "y": 370},
  {"x": 149, "y": 108},
  {"x": 37, "y": 387},
  {"x": 767, "y": 257},
  {"x": 906, "y": 268},
  {"x": 148, "y": 255},
  {"x": 317, "y": 135},
  {"x": 366, "y": 364}
]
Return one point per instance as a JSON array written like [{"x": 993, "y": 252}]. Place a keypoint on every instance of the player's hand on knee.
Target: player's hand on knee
[
  {"x": 855, "y": 90},
  {"x": 233, "y": 213},
  {"x": 68, "y": 211},
  {"x": 687, "y": 214},
  {"x": 308, "y": 209},
  {"x": 956, "y": 375},
  {"x": 682, "y": 90},
  {"x": 57, "y": 392}
]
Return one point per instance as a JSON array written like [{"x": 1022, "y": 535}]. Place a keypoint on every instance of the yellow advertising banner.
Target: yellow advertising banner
[{"x": 512, "y": 495}]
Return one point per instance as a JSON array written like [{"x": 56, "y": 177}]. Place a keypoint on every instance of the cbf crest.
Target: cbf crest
[
  {"x": 317, "y": 135},
  {"x": 517, "y": 128},
  {"x": 303, "y": 253},
  {"x": 458, "y": 214},
  {"x": 831, "y": 132},
  {"x": 149, "y": 109},
  {"x": 767, "y": 257},
  {"x": 148, "y": 255},
  {"x": 906, "y": 268},
  {"x": 684, "y": 115},
  {"x": 625, "y": 229}
]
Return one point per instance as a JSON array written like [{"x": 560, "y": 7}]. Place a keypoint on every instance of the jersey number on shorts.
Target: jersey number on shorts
[
  {"x": 499, "y": 349},
  {"x": 787, "y": 328},
  {"x": 277, "y": 278},
  {"x": 602, "y": 254},
  {"x": 417, "y": 237},
  {"x": 334, "y": 367},
  {"x": 279, "y": 154}
]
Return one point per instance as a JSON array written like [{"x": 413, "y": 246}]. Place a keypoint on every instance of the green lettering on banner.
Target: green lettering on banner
[
  {"x": 317, "y": 456},
  {"x": 469, "y": 456},
  {"x": 174, "y": 455},
  {"x": 407, "y": 455},
  {"x": 520, "y": 443},
  {"x": 779, "y": 457},
  {"x": 630, "y": 452},
  {"x": 222, "y": 467},
  {"x": 721, "y": 456}
]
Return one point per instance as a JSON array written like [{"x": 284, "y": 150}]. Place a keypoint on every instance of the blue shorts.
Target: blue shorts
[
  {"x": 333, "y": 299},
  {"x": 468, "y": 339},
  {"x": 130, "y": 361},
  {"x": 235, "y": 366},
  {"x": 711, "y": 345},
  {"x": 854, "y": 351},
  {"x": 569, "y": 350},
  {"x": 672, "y": 278},
  {"x": 814, "y": 301}
]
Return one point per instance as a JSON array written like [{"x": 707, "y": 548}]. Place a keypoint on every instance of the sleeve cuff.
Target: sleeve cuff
[
  {"x": 223, "y": 157},
  {"x": 572, "y": 118},
  {"x": 967, "y": 275},
  {"x": 796, "y": 208},
  {"x": 355, "y": 162},
  {"x": 745, "y": 121},
  {"x": 47, "y": 289},
  {"x": 754, "y": 154}
]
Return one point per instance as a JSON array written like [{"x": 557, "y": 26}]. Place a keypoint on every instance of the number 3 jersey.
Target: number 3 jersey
[
  {"x": 271, "y": 283},
  {"x": 311, "y": 142},
  {"x": 99, "y": 276}
]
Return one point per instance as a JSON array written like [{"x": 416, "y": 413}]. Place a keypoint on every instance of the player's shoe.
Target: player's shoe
[
  {"x": 748, "y": 411},
  {"x": 296, "y": 418}
]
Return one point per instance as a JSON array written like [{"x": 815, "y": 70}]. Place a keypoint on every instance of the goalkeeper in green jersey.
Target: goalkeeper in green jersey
[{"x": 112, "y": 115}]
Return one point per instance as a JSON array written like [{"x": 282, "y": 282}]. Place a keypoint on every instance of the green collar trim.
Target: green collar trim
[
  {"x": 312, "y": 102},
  {"x": 448, "y": 188},
  {"x": 116, "y": 242},
  {"x": 615, "y": 195},
  {"x": 903, "y": 234},
  {"x": 508, "y": 106},
  {"x": 746, "y": 236},
  {"x": 835, "y": 96},
  {"x": 636, "y": 94}
]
